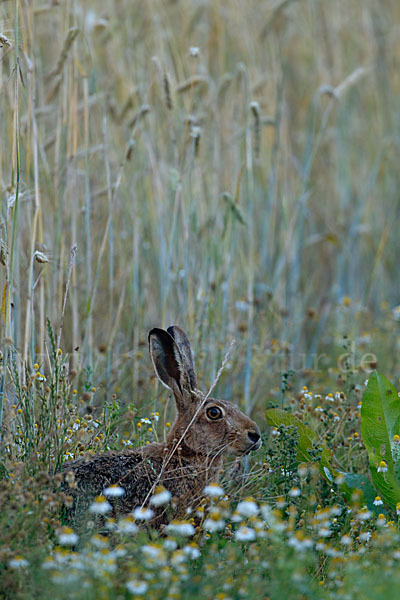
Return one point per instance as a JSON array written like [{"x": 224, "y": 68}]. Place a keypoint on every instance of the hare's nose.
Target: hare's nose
[{"x": 254, "y": 436}]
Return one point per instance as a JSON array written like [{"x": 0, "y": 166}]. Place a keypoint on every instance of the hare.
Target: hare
[{"x": 204, "y": 431}]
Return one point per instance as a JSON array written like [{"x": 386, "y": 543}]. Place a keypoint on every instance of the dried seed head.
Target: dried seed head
[
  {"x": 3, "y": 253},
  {"x": 167, "y": 91},
  {"x": 4, "y": 41},
  {"x": 40, "y": 257},
  {"x": 197, "y": 81},
  {"x": 68, "y": 41},
  {"x": 255, "y": 109}
]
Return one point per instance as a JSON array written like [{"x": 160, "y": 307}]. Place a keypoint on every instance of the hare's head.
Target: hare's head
[{"x": 209, "y": 426}]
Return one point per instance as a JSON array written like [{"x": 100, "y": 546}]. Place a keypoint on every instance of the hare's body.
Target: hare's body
[
  {"x": 136, "y": 472},
  {"x": 204, "y": 431}
]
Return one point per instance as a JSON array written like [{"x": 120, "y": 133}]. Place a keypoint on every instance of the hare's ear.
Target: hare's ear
[
  {"x": 169, "y": 365},
  {"x": 182, "y": 341}
]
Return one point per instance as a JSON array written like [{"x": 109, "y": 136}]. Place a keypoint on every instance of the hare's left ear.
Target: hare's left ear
[
  {"x": 182, "y": 341},
  {"x": 169, "y": 366}
]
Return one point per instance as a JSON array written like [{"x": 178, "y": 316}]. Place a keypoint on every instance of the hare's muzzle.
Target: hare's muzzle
[{"x": 255, "y": 440}]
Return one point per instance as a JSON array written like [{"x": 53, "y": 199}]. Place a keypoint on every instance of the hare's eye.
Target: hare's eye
[{"x": 214, "y": 413}]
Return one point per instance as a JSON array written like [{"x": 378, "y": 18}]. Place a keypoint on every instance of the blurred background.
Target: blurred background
[{"x": 231, "y": 167}]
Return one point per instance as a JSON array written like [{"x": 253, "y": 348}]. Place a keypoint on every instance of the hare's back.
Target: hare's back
[{"x": 133, "y": 471}]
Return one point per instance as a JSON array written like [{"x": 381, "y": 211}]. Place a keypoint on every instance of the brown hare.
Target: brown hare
[{"x": 205, "y": 430}]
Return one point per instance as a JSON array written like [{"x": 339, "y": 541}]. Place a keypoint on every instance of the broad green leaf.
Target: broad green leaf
[{"x": 380, "y": 422}]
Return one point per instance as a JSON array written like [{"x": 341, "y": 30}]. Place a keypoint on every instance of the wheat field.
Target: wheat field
[{"x": 231, "y": 167}]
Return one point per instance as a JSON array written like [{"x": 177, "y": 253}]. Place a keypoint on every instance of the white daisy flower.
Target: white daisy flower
[
  {"x": 100, "y": 506},
  {"x": 138, "y": 588},
  {"x": 299, "y": 542},
  {"x": 127, "y": 525},
  {"x": 178, "y": 557},
  {"x": 170, "y": 544},
  {"x": 247, "y": 508},
  {"x": 213, "y": 524},
  {"x": 143, "y": 514},
  {"x": 67, "y": 537},
  {"x": 181, "y": 528},
  {"x": 346, "y": 540},
  {"x": 114, "y": 491},
  {"x": 245, "y": 534},
  {"x": 213, "y": 490},
  {"x": 192, "y": 551},
  {"x": 19, "y": 562},
  {"x": 161, "y": 497}
]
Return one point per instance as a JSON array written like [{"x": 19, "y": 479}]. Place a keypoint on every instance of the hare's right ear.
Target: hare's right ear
[
  {"x": 169, "y": 364},
  {"x": 182, "y": 341}
]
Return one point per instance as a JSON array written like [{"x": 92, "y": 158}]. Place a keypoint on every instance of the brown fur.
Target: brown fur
[{"x": 192, "y": 454}]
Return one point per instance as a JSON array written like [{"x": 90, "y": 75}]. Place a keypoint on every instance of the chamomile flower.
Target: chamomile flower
[
  {"x": 213, "y": 524},
  {"x": 136, "y": 587},
  {"x": 127, "y": 525},
  {"x": 99, "y": 541},
  {"x": 245, "y": 534},
  {"x": 294, "y": 492},
  {"x": 247, "y": 508},
  {"x": 183, "y": 528},
  {"x": 364, "y": 514},
  {"x": 161, "y": 496},
  {"x": 18, "y": 562},
  {"x": 380, "y": 520},
  {"x": 67, "y": 537},
  {"x": 100, "y": 506},
  {"x": 178, "y": 557},
  {"x": 365, "y": 536},
  {"x": 142, "y": 514},
  {"x": 192, "y": 551},
  {"x": 378, "y": 501},
  {"x": 213, "y": 490},
  {"x": 346, "y": 540},
  {"x": 299, "y": 542},
  {"x": 154, "y": 554},
  {"x": 382, "y": 467},
  {"x": 114, "y": 491}
]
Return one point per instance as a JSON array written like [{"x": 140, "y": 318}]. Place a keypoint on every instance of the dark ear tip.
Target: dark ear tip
[
  {"x": 154, "y": 331},
  {"x": 159, "y": 333},
  {"x": 172, "y": 328}
]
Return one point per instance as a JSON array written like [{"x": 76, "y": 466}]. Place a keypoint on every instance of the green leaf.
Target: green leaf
[{"x": 380, "y": 421}]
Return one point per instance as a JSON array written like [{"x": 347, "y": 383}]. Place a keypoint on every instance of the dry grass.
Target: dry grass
[
  {"x": 258, "y": 169},
  {"x": 227, "y": 166}
]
